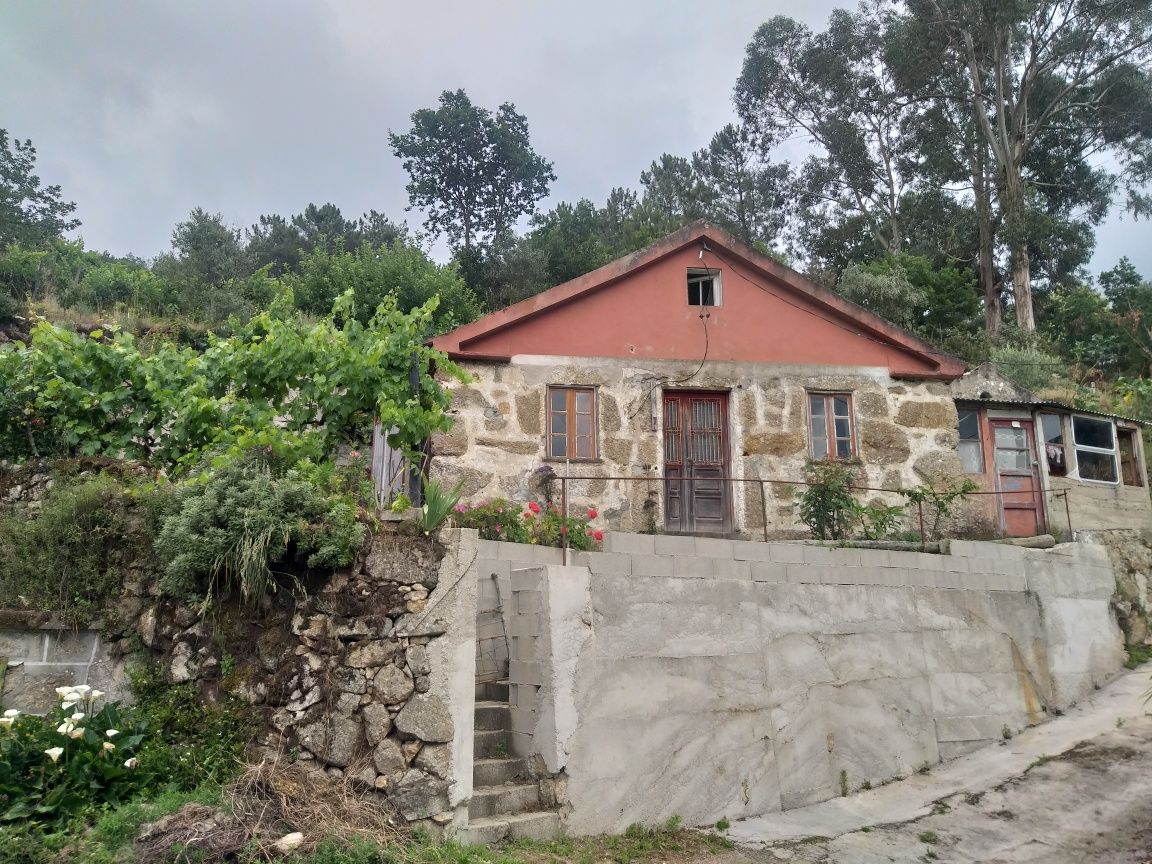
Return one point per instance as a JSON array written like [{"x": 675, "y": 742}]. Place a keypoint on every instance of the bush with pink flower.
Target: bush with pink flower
[{"x": 534, "y": 522}]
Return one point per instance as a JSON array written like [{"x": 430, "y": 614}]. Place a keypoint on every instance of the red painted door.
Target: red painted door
[
  {"x": 1017, "y": 477},
  {"x": 696, "y": 493}
]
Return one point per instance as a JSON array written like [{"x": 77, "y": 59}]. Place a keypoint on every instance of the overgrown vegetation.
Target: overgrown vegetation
[
  {"x": 541, "y": 524},
  {"x": 69, "y": 558}
]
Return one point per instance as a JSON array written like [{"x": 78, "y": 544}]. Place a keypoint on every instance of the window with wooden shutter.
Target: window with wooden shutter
[
  {"x": 572, "y": 423},
  {"x": 830, "y": 426}
]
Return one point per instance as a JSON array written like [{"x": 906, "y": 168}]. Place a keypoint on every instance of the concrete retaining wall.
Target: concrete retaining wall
[
  {"x": 710, "y": 678},
  {"x": 41, "y": 657}
]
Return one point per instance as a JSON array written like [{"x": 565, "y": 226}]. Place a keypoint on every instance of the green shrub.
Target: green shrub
[
  {"x": 189, "y": 744},
  {"x": 542, "y": 525},
  {"x": 226, "y": 528},
  {"x": 74, "y": 759},
  {"x": 826, "y": 504},
  {"x": 438, "y": 505},
  {"x": 66, "y": 557}
]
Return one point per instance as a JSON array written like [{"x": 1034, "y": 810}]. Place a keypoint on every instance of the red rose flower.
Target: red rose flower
[
  {"x": 592, "y": 513},
  {"x": 598, "y": 536},
  {"x": 533, "y": 506},
  {"x": 527, "y": 515}
]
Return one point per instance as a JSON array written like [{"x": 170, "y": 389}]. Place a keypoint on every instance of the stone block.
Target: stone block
[
  {"x": 729, "y": 569},
  {"x": 964, "y": 693},
  {"x": 751, "y": 551},
  {"x": 527, "y": 579},
  {"x": 817, "y": 554},
  {"x": 629, "y": 544},
  {"x": 523, "y": 720},
  {"x": 671, "y": 544},
  {"x": 713, "y": 547},
  {"x": 763, "y": 571},
  {"x": 524, "y": 672},
  {"x": 603, "y": 562},
  {"x": 684, "y": 567},
  {"x": 525, "y": 602},
  {"x": 786, "y": 553},
  {"x": 975, "y": 727},
  {"x": 652, "y": 565}
]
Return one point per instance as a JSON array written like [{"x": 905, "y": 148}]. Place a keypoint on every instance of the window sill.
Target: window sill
[{"x": 558, "y": 460}]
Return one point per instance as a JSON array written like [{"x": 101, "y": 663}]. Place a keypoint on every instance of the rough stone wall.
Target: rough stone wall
[
  {"x": 1131, "y": 555},
  {"x": 369, "y": 674},
  {"x": 906, "y": 432},
  {"x": 712, "y": 678}
]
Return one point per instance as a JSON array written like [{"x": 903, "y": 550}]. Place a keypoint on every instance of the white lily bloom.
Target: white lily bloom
[
  {"x": 65, "y": 727},
  {"x": 109, "y": 747},
  {"x": 130, "y": 763},
  {"x": 77, "y": 717},
  {"x": 81, "y": 689},
  {"x": 54, "y": 753},
  {"x": 112, "y": 733},
  {"x": 12, "y": 712},
  {"x": 76, "y": 733},
  {"x": 67, "y": 706},
  {"x": 95, "y": 694},
  {"x": 63, "y": 691}
]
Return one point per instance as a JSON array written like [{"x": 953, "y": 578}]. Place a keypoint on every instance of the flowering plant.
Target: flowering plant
[
  {"x": 541, "y": 524},
  {"x": 74, "y": 757}
]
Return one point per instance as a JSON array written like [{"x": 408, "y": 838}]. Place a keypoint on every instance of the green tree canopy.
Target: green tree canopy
[{"x": 30, "y": 214}]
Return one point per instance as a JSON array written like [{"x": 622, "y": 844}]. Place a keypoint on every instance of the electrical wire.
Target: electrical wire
[{"x": 664, "y": 381}]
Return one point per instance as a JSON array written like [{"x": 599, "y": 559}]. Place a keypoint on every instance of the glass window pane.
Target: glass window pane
[
  {"x": 1013, "y": 460},
  {"x": 559, "y": 446},
  {"x": 584, "y": 401},
  {"x": 559, "y": 424},
  {"x": 1090, "y": 432},
  {"x": 1096, "y": 466},
  {"x": 816, "y": 405},
  {"x": 584, "y": 424},
  {"x": 583, "y": 447},
  {"x": 843, "y": 448},
  {"x": 843, "y": 429},
  {"x": 559, "y": 398},
  {"x": 971, "y": 458},
  {"x": 1009, "y": 436},
  {"x": 969, "y": 426},
  {"x": 1052, "y": 426},
  {"x": 840, "y": 406},
  {"x": 819, "y": 448}
]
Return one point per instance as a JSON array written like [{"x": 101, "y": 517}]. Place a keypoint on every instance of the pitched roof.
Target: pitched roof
[{"x": 456, "y": 343}]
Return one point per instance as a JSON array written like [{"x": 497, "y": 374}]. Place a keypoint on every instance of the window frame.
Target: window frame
[
  {"x": 978, "y": 440},
  {"x": 1114, "y": 452},
  {"x": 699, "y": 274},
  {"x": 570, "y": 421},
  {"x": 1067, "y": 445},
  {"x": 830, "y": 417}
]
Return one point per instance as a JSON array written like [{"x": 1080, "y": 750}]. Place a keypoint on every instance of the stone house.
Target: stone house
[
  {"x": 672, "y": 381},
  {"x": 1051, "y": 465}
]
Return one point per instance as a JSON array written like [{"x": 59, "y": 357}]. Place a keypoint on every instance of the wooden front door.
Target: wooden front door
[
  {"x": 696, "y": 493},
  {"x": 1017, "y": 477}
]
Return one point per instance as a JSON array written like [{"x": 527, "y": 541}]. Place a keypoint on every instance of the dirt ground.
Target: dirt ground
[{"x": 1090, "y": 805}]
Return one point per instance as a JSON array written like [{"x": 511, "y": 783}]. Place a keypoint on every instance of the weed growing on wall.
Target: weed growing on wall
[{"x": 826, "y": 504}]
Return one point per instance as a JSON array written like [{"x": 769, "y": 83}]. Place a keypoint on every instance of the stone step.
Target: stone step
[
  {"x": 492, "y": 691},
  {"x": 492, "y": 744},
  {"x": 503, "y": 800},
  {"x": 541, "y": 826},
  {"x": 493, "y": 715},
  {"x": 496, "y": 772}
]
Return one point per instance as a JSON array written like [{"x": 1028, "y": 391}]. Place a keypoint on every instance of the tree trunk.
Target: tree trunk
[
  {"x": 1022, "y": 288},
  {"x": 1014, "y": 221},
  {"x": 986, "y": 263}
]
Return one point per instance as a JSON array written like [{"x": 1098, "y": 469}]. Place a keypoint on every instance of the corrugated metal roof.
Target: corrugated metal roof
[{"x": 1062, "y": 406}]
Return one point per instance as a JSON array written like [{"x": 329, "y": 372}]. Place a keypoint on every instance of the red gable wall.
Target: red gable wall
[{"x": 646, "y": 314}]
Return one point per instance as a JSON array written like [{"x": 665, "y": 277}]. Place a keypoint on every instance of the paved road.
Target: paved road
[{"x": 1077, "y": 789}]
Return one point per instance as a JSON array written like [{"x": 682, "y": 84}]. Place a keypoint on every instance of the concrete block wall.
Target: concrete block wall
[
  {"x": 41, "y": 658},
  {"x": 706, "y": 677},
  {"x": 526, "y": 657}
]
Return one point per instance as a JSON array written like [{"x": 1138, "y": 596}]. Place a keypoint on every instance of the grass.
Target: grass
[
  {"x": 928, "y": 837},
  {"x": 639, "y": 843},
  {"x": 1137, "y": 655}
]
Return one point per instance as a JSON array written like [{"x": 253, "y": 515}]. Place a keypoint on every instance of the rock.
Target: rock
[
  {"x": 883, "y": 443},
  {"x": 939, "y": 468},
  {"x": 347, "y": 703},
  {"x": 927, "y": 415},
  {"x": 434, "y": 759},
  {"x": 288, "y": 844},
  {"x": 334, "y": 740},
  {"x": 314, "y": 626},
  {"x": 376, "y": 652},
  {"x": 529, "y": 412},
  {"x": 181, "y": 668},
  {"x": 388, "y": 758},
  {"x": 418, "y": 796},
  {"x": 872, "y": 404},
  {"x": 417, "y": 605},
  {"x": 410, "y": 749},
  {"x": 350, "y": 680},
  {"x": 303, "y": 701},
  {"x": 442, "y": 818},
  {"x": 423, "y": 683},
  {"x": 416, "y": 625},
  {"x": 392, "y": 685},
  {"x": 146, "y": 627},
  {"x": 454, "y": 442},
  {"x": 520, "y": 448},
  {"x": 425, "y": 717},
  {"x": 389, "y": 563},
  {"x": 775, "y": 443},
  {"x": 377, "y": 723},
  {"x": 365, "y": 777}
]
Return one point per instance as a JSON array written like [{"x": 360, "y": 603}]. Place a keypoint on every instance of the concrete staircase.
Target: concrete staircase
[{"x": 505, "y": 799}]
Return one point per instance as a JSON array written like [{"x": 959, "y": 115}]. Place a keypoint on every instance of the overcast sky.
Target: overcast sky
[{"x": 144, "y": 109}]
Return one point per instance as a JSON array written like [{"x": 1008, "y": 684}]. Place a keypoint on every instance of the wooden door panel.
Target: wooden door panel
[
  {"x": 1017, "y": 476},
  {"x": 695, "y": 435}
]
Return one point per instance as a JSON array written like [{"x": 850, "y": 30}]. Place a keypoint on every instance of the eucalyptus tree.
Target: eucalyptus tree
[{"x": 31, "y": 214}]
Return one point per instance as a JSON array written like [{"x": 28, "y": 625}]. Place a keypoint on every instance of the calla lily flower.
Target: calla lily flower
[
  {"x": 67, "y": 706},
  {"x": 65, "y": 727},
  {"x": 77, "y": 717},
  {"x": 95, "y": 694},
  {"x": 63, "y": 691},
  {"x": 76, "y": 733},
  {"x": 12, "y": 712},
  {"x": 54, "y": 753},
  {"x": 130, "y": 763},
  {"x": 112, "y": 733},
  {"x": 108, "y": 747},
  {"x": 6, "y": 722}
]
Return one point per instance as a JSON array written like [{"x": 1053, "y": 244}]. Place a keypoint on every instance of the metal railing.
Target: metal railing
[{"x": 661, "y": 481}]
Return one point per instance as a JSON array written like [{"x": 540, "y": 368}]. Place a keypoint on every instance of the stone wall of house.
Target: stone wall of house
[
  {"x": 906, "y": 433},
  {"x": 713, "y": 678},
  {"x": 367, "y": 673}
]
